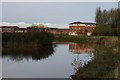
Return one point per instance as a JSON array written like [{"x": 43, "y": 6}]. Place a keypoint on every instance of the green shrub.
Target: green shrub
[{"x": 42, "y": 38}]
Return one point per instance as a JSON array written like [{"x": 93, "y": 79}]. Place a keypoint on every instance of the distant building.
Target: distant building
[
  {"x": 60, "y": 31},
  {"x": 12, "y": 29},
  {"x": 21, "y": 30},
  {"x": 81, "y": 28},
  {"x": 8, "y": 28},
  {"x": 41, "y": 27},
  {"x": 34, "y": 28}
]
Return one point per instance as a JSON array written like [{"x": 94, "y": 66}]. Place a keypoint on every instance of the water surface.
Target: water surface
[{"x": 60, "y": 62}]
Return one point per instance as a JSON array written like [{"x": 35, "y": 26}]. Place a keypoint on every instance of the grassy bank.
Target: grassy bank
[
  {"x": 106, "y": 59},
  {"x": 86, "y": 39}
]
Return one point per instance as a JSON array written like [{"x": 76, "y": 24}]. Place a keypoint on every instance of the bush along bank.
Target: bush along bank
[{"x": 29, "y": 39}]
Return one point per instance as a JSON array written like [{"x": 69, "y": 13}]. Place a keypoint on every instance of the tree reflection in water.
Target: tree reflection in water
[
  {"x": 78, "y": 62},
  {"x": 18, "y": 54}
]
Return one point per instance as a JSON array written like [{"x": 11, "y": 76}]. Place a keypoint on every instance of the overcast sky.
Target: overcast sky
[
  {"x": 58, "y": 14},
  {"x": 59, "y": 0}
]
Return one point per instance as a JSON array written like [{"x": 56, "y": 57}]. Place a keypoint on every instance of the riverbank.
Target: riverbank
[
  {"x": 106, "y": 60},
  {"x": 88, "y": 39},
  {"x": 105, "y": 48}
]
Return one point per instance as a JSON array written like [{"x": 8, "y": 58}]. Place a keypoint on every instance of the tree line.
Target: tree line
[{"x": 107, "y": 22}]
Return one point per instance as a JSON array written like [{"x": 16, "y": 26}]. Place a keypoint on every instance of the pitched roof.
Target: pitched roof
[
  {"x": 76, "y": 22},
  {"x": 81, "y": 23}
]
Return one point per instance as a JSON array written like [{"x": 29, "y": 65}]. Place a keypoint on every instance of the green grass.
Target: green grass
[{"x": 95, "y": 72}]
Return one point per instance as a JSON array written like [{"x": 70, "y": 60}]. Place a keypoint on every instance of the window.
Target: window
[{"x": 71, "y": 25}]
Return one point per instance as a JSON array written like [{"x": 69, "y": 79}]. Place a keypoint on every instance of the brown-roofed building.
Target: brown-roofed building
[
  {"x": 81, "y": 28},
  {"x": 12, "y": 29}
]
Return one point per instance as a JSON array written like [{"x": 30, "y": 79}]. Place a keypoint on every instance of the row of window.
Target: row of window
[
  {"x": 75, "y": 28},
  {"x": 74, "y": 31},
  {"x": 81, "y": 25},
  {"x": 78, "y": 28}
]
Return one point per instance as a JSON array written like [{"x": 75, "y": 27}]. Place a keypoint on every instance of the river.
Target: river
[{"x": 63, "y": 61}]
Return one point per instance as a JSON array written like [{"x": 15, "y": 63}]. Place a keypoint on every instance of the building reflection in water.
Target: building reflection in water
[
  {"x": 80, "y": 48},
  {"x": 85, "y": 54}
]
